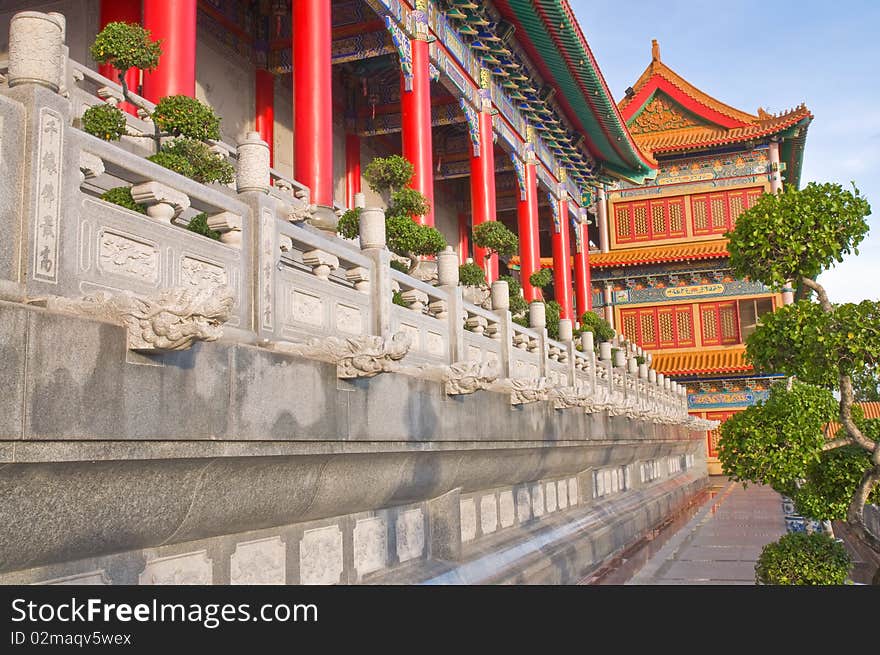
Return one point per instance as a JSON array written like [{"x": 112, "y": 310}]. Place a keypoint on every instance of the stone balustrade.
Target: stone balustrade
[{"x": 290, "y": 281}]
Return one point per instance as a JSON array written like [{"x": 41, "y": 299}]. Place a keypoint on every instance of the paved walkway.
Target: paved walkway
[{"x": 720, "y": 544}]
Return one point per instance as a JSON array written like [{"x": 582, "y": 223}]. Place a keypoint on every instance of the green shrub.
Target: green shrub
[
  {"x": 397, "y": 299},
  {"x": 521, "y": 320},
  {"x": 173, "y": 162},
  {"x": 104, "y": 121},
  {"x": 408, "y": 202},
  {"x": 471, "y": 275},
  {"x": 799, "y": 558},
  {"x": 121, "y": 196},
  {"x": 542, "y": 278},
  {"x": 553, "y": 313},
  {"x": 496, "y": 238},
  {"x": 348, "y": 225},
  {"x": 406, "y": 237},
  {"x": 124, "y": 46},
  {"x": 384, "y": 173},
  {"x": 195, "y": 160},
  {"x": 398, "y": 265},
  {"x": 199, "y": 225},
  {"x": 181, "y": 115},
  {"x": 601, "y": 329}
]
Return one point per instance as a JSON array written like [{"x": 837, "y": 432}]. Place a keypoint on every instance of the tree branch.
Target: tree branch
[
  {"x": 846, "y": 419},
  {"x": 837, "y": 443},
  {"x": 820, "y": 291},
  {"x": 855, "y": 514}
]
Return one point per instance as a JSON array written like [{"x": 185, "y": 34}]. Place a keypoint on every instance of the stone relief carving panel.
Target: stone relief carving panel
[
  {"x": 551, "y": 496},
  {"x": 537, "y": 499},
  {"x": 573, "y": 491},
  {"x": 320, "y": 556},
  {"x": 259, "y": 562},
  {"x": 190, "y": 569},
  {"x": 488, "y": 514},
  {"x": 410, "y": 535},
  {"x": 349, "y": 319},
  {"x": 523, "y": 504},
  {"x": 370, "y": 545},
  {"x": 127, "y": 256},
  {"x": 505, "y": 509},
  {"x": 200, "y": 273},
  {"x": 307, "y": 308},
  {"x": 468, "y": 510}
]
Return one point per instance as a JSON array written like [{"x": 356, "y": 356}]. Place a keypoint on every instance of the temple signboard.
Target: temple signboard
[{"x": 722, "y": 399}]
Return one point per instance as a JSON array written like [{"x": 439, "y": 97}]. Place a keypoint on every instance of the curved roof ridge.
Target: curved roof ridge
[{"x": 658, "y": 69}]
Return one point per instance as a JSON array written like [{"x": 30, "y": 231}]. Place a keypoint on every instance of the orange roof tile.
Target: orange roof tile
[
  {"x": 703, "y": 137},
  {"x": 871, "y": 411},
  {"x": 724, "y": 360},
  {"x": 714, "y": 249}
]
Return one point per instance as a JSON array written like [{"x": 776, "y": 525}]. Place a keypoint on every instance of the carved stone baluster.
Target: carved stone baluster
[
  {"x": 322, "y": 263},
  {"x": 163, "y": 203},
  {"x": 415, "y": 300},
  {"x": 229, "y": 227},
  {"x": 360, "y": 278}
]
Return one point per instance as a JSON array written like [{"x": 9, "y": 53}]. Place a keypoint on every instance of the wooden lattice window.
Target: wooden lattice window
[
  {"x": 716, "y": 213},
  {"x": 642, "y": 220},
  {"x": 719, "y": 323},
  {"x": 622, "y": 223},
  {"x": 659, "y": 327}
]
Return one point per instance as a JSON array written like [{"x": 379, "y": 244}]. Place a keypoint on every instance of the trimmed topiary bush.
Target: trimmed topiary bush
[
  {"x": 471, "y": 275},
  {"x": 388, "y": 173},
  {"x": 124, "y": 46},
  {"x": 184, "y": 116},
  {"x": 121, "y": 196},
  {"x": 104, "y": 121},
  {"x": 803, "y": 559},
  {"x": 553, "y": 313},
  {"x": 349, "y": 223},
  {"x": 518, "y": 304},
  {"x": 601, "y": 329},
  {"x": 173, "y": 162},
  {"x": 496, "y": 239}
]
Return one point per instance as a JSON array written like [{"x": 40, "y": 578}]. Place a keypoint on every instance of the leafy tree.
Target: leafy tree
[
  {"x": 794, "y": 236},
  {"x": 496, "y": 238},
  {"x": 126, "y": 46},
  {"x": 404, "y": 236},
  {"x": 553, "y": 314},
  {"x": 199, "y": 225}
]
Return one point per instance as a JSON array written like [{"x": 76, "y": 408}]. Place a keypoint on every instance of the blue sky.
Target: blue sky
[{"x": 775, "y": 55}]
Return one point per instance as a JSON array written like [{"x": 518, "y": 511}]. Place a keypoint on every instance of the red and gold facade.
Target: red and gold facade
[{"x": 662, "y": 277}]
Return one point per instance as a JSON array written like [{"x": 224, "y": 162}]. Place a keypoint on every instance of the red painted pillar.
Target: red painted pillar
[
  {"x": 415, "y": 109},
  {"x": 463, "y": 238},
  {"x": 582, "y": 286},
  {"x": 527, "y": 223},
  {"x": 483, "y": 191},
  {"x": 562, "y": 261},
  {"x": 352, "y": 168},
  {"x": 121, "y": 11},
  {"x": 174, "y": 22},
  {"x": 312, "y": 99},
  {"x": 264, "y": 120}
]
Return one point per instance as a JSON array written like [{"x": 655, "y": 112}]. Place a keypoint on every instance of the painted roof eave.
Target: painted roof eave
[{"x": 552, "y": 37}]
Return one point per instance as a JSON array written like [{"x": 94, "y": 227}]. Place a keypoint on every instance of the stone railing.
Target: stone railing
[{"x": 286, "y": 284}]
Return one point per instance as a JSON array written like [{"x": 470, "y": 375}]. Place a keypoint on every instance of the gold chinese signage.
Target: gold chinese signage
[{"x": 698, "y": 290}]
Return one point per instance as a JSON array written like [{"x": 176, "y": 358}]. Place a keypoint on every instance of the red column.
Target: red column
[
  {"x": 121, "y": 11},
  {"x": 463, "y": 238},
  {"x": 352, "y": 167},
  {"x": 415, "y": 109},
  {"x": 562, "y": 262},
  {"x": 483, "y": 191},
  {"x": 582, "y": 272},
  {"x": 529, "y": 243},
  {"x": 312, "y": 99},
  {"x": 264, "y": 120},
  {"x": 174, "y": 22}
]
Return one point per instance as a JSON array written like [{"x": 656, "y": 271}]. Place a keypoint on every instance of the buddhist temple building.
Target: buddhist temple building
[
  {"x": 662, "y": 276},
  {"x": 500, "y": 106}
]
